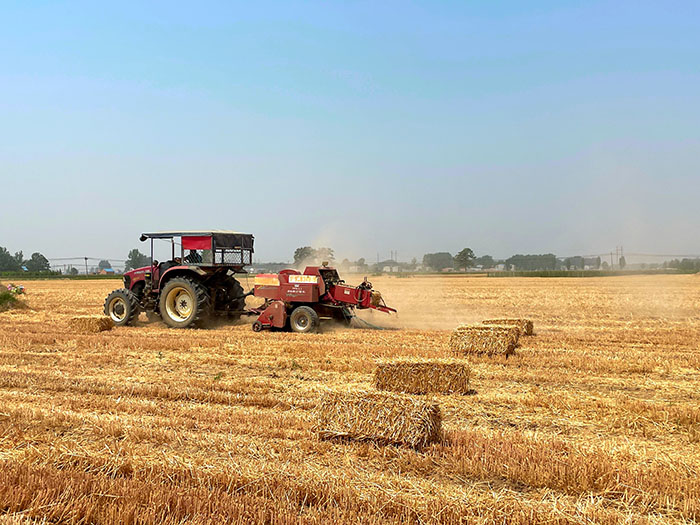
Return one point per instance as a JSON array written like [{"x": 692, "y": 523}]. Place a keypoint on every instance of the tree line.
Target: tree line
[
  {"x": 16, "y": 263},
  {"x": 439, "y": 261}
]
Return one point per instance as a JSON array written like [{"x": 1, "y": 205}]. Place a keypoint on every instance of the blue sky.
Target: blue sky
[{"x": 569, "y": 127}]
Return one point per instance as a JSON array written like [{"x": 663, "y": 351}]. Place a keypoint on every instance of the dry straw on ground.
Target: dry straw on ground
[
  {"x": 420, "y": 376},
  {"x": 593, "y": 424},
  {"x": 91, "y": 323},
  {"x": 380, "y": 417},
  {"x": 490, "y": 340},
  {"x": 525, "y": 325}
]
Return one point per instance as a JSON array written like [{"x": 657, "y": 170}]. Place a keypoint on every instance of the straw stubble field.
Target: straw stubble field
[{"x": 594, "y": 419}]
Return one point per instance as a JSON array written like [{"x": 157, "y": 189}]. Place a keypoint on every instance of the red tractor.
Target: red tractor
[
  {"x": 300, "y": 301},
  {"x": 189, "y": 287}
]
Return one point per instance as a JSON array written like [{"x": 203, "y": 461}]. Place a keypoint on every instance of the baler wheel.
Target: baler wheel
[
  {"x": 183, "y": 303},
  {"x": 121, "y": 306},
  {"x": 304, "y": 320},
  {"x": 257, "y": 326}
]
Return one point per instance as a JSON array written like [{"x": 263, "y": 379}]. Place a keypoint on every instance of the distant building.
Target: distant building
[{"x": 107, "y": 271}]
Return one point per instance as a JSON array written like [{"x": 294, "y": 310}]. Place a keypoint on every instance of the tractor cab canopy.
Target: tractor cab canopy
[{"x": 208, "y": 248}]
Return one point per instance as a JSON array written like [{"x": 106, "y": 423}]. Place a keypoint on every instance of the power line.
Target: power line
[{"x": 81, "y": 258}]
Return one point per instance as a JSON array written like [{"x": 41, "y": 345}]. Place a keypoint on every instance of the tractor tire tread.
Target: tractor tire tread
[
  {"x": 201, "y": 296},
  {"x": 133, "y": 305},
  {"x": 315, "y": 322}
]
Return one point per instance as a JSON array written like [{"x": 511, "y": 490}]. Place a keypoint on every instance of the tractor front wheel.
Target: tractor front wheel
[
  {"x": 183, "y": 303},
  {"x": 122, "y": 306},
  {"x": 304, "y": 319}
]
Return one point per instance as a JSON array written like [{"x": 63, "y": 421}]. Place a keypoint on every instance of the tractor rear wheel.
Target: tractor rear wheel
[
  {"x": 304, "y": 320},
  {"x": 122, "y": 307},
  {"x": 184, "y": 303},
  {"x": 234, "y": 297}
]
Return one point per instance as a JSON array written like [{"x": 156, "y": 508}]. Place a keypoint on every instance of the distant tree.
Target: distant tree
[
  {"x": 596, "y": 265},
  {"x": 604, "y": 265},
  {"x": 361, "y": 262},
  {"x": 485, "y": 261},
  {"x": 623, "y": 263},
  {"x": 8, "y": 263},
  {"x": 576, "y": 263},
  {"x": 689, "y": 265},
  {"x": 19, "y": 257},
  {"x": 37, "y": 263},
  {"x": 136, "y": 259},
  {"x": 303, "y": 254},
  {"x": 73, "y": 270},
  {"x": 438, "y": 261},
  {"x": 567, "y": 263},
  {"x": 324, "y": 254},
  {"x": 308, "y": 255},
  {"x": 465, "y": 258},
  {"x": 547, "y": 261},
  {"x": 104, "y": 265}
]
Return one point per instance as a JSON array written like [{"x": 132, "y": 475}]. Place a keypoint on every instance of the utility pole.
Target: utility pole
[{"x": 86, "y": 270}]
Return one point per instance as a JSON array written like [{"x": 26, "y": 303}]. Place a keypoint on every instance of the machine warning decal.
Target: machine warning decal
[
  {"x": 264, "y": 279},
  {"x": 303, "y": 279}
]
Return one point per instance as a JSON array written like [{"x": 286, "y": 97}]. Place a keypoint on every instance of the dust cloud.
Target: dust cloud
[{"x": 426, "y": 303}]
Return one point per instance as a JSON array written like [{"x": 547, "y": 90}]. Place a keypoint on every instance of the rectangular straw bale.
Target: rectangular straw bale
[
  {"x": 420, "y": 376},
  {"x": 525, "y": 325},
  {"x": 479, "y": 339},
  {"x": 380, "y": 417},
  {"x": 91, "y": 323}
]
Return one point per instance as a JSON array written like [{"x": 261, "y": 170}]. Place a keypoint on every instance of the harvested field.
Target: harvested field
[
  {"x": 486, "y": 340},
  {"x": 525, "y": 325},
  {"x": 378, "y": 417},
  {"x": 594, "y": 420},
  {"x": 421, "y": 376}
]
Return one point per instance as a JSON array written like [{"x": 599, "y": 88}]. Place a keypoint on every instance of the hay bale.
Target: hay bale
[
  {"x": 91, "y": 323},
  {"x": 420, "y": 376},
  {"x": 480, "y": 339},
  {"x": 380, "y": 417},
  {"x": 525, "y": 325}
]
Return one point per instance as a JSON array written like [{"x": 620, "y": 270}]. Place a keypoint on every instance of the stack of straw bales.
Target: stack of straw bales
[
  {"x": 420, "y": 376},
  {"x": 490, "y": 340},
  {"x": 525, "y": 325},
  {"x": 91, "y": 324},
  {"x": 380, "y": 417}
]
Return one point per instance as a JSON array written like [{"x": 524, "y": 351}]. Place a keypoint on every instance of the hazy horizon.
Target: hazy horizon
[{"x": 424, "y": 127}]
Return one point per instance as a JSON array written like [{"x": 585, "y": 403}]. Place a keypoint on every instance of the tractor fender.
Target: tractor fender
[{"x": 180, "y": 271}]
